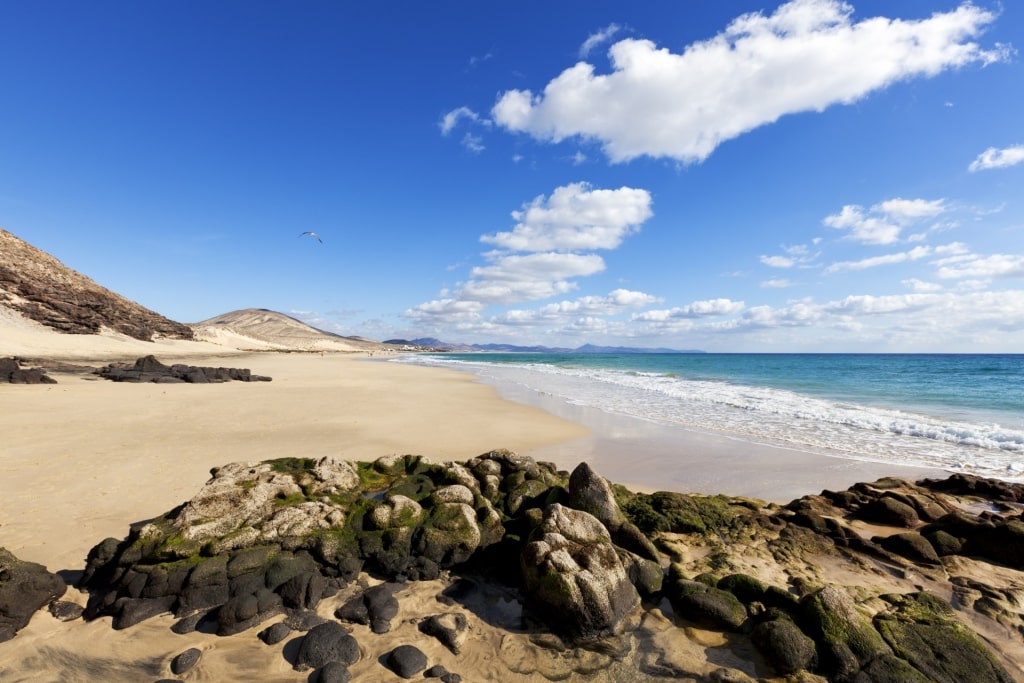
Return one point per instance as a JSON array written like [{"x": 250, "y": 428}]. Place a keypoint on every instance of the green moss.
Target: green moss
[
  {"x": 290, "y": 499},
  {"x": 370, "y": 479},
  {"x": 291, "y": 465},
  {"x": 678, "y": 513}
]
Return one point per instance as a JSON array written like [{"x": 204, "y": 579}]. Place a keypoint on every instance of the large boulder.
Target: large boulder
[
  {"x": 25, "y": 588},
  {"x": 922, "y": 630},
  {"x": 846, "y": 640},
  {"x": 572, "y": 576},
  {"x": 328, "y": 642}
]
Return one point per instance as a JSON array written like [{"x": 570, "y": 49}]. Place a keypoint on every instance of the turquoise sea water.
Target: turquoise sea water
[{"x": 956, "y": 412}]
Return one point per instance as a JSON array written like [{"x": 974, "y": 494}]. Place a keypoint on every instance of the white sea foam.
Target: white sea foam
[{"x": 767, "y": 415}]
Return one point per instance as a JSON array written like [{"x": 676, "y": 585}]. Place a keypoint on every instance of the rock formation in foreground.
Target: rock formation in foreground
[
  {"x": 888, "y": 581},
  {"x": 149, "y": 369}
]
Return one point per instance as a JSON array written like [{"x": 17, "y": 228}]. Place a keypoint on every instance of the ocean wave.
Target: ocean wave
[{"x": 769, "y": 415}]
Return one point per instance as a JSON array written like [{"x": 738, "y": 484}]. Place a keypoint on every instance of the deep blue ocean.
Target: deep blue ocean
[{"x": 955, "y": 412}]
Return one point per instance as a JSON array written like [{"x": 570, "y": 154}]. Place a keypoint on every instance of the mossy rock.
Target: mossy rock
[
  {"x": 701, "y": 604},
  {"x": 910, "y": 545},
  {"x": 943, "y": 543},
  {"x": 679, "y": 513},
  {"x": 922, "y": 629},
  {"x": 784, "y": 646},
  {"x": 845, "y": 637}
]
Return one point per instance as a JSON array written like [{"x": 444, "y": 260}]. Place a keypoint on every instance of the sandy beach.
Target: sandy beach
[{"x": 84, "y": 458}]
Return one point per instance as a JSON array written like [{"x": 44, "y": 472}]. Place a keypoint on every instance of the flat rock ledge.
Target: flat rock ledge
[
  {"x": 608, "y": 580},
  {"x": 149, "y": 369}
]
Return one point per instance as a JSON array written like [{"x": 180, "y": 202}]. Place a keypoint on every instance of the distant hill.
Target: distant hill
[
  {"x": 259, "y": 328},
  {"x": 41, "y": 288}
]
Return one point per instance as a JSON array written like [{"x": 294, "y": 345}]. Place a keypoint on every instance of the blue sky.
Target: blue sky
[{"x": 742, "y": 176}]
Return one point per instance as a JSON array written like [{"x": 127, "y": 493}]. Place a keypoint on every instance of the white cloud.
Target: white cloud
[
  {"x": 778, "y": 261},
  {"x": 561, "y": 313},
  {"x": 913, "y": 255},
  {"x": 998, "y": 158},
  {"x": 806, "y": 56},
  {"x": 798, "y": 254},
  {"x": 777, "y": 283},
  {"x": 910, "y": 209},
  {"x": 697, "y": 309},
  {"x": 474, "y": 143},
  {"x": 997, "y": 265},
  {"x": 921, "y": 286},
  {"x": 884, "y": 221},
  {"x": 598, "y": 38},
  {"x": 450, "y": 120},
  {"x": 577, "y": 218},
  {"x": 445, "y": 311}
]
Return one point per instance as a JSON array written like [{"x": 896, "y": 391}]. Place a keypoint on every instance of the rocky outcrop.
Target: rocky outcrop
[
  {"x": 11, "y": 372},
  {"x": 43, "y": 289},
  {"x": 572, "y": 576},
  {"x": 149, "y": 369},
  {"x": 25, "y": 588},
  {"x": 584, "y": 561}
]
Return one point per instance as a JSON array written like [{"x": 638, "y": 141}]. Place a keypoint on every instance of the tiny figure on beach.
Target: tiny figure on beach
[{"x": 312, "y": 234}]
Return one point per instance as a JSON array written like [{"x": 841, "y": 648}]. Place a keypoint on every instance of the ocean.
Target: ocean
[{"x": 962, "y": 413}]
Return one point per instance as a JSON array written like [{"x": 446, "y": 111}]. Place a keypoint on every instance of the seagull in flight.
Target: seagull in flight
[{"x": 312, "y": 234}]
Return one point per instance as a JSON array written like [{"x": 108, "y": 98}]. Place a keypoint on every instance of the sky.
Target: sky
[{"x": 750, "y": 176}]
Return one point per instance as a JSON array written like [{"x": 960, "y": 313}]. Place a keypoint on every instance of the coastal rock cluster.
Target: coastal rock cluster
[
  {"x": 888, "y": 581},
  {"x": 149, "y": 369},
  {"x": 11, "y": 372}
]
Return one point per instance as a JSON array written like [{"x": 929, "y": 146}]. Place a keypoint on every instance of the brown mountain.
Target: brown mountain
[
  {"x": 272, "y": 330},
  {"x": 43, "y": 289}
]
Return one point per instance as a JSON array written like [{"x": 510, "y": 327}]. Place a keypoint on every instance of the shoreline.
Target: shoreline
[{"x": 648, "y": 456}]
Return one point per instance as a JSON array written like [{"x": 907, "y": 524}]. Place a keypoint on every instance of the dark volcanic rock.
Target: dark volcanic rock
[
  {"x": 333, "y": 672},
  {"x": 185, "y": 661},
  {"x": 450, "y": 628},
  {"x": 328, "y": 642},
  {"x": 784, "y": 645},
  {"x": 11, "y": 372},
  {"x": 376, "y": 607},
  {"x": 274, "y": 634},
  {"x": 149, "y": 369},
  {"x": 406, "y": 661},
  {"x": 25, "y": 588}
]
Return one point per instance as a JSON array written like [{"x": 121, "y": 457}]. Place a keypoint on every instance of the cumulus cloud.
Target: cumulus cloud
[
  {"x": 697, "y": 309},
  {"x": 994, "y": 266},
  {"x": 598, "y": 38},
  {"x": 550, "y": 247},
  {"x": 998, "y": 158},
  {"x": 614, "y": 303},
  {"x": 883, "y": 222},
  {"x": 806, "y": 56},
  {"x": 576, "y": 217}
]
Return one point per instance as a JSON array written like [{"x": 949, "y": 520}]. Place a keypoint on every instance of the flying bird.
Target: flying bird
[{"x": 312, "y": 234}]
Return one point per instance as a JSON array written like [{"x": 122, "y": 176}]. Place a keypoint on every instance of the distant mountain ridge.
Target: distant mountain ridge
[{"x": 433, "y": 344}]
